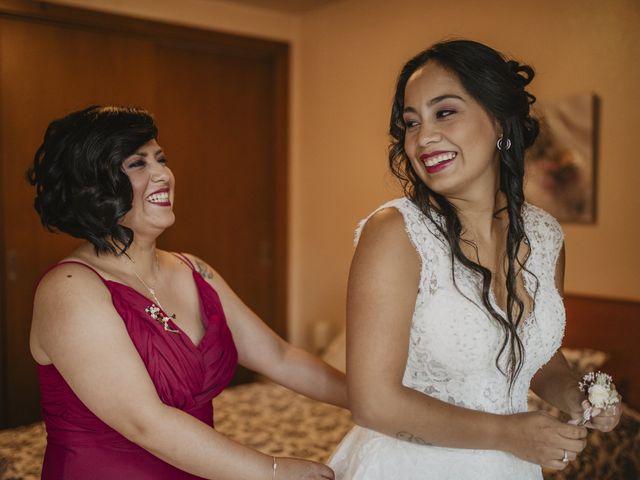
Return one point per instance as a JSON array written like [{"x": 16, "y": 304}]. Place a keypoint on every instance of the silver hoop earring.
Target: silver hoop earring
[{"x": 503, "y": 144}]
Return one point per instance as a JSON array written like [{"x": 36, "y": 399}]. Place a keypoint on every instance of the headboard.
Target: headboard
[{"x": 612, "y": 326}]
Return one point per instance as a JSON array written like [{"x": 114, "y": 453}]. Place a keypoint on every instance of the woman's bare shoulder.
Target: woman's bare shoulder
[
  {"x": 69, "y": 277},
  {"x": 68, "y": 298},
  {"x": 205, "y": 270},
  {"x": 386, "y": 230}
]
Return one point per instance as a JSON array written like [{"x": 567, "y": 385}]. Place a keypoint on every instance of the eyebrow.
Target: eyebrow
[
  {"x": 155, "y": 154},
  {"x": 435, "y": 100}
]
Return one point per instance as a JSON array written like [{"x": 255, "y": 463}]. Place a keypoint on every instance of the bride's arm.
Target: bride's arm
[
  {"x": 557, "y": 384},
  {"x": 383, "y": 284}
]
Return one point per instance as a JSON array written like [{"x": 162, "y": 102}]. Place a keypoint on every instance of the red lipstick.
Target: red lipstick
[{"x": 159, "y": 197}]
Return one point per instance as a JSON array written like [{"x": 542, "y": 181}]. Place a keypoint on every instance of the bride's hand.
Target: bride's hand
[
  {"x": 298, "y": 469},
  {"x": 540, "y": 438},
  {"x": 603, "y": 419}
]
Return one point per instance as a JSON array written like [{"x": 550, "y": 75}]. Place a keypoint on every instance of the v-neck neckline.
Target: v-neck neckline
[{"x": 203, "y": 316}]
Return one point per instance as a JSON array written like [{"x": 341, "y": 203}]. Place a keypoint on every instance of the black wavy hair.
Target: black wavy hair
[
  {"x": 77, "y": 171},
  {"x": 498, "y": 85}
]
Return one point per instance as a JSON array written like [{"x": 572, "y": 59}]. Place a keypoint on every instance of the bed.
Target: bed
[{"x": 279, "y": 422}]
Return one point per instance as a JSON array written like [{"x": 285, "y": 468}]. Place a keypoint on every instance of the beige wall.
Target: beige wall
[{"x": 345, "y": 59}]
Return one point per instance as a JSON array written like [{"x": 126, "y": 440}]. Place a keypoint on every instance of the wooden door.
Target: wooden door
[{"x": 218, "y": 103}]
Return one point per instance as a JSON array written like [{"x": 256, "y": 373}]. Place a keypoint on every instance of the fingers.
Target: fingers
[
  {"x": 609, "y": 411},
  {"x": 573, "y": 439},
  {"x": 572, "y": 446},
  {"x": 571, "y": 456},
  {"x": 560, "y": 455},
  {"x": 605, "y": 423},
  {"x": 603, "y": 419},
  {"x": 556, "y": 461},
  {"x": 325, "y": 472},
  {"x": 289, "y": 467},
  {"x": 606, "y": 419},
  {"x": 555, "y": 465},
  {"x": 572, "y": 431}
]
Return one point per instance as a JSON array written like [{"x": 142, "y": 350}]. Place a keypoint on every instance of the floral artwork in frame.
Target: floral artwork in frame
[{"x": 560, "y": 168}]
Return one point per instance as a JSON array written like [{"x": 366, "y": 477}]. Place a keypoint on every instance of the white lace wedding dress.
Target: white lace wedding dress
[{"x": 453, "y": 346}]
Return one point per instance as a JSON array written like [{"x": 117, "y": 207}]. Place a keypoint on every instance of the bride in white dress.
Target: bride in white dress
[{"x": 454, "y": 304}]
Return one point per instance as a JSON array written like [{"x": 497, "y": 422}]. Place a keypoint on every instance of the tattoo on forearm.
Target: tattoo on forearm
[
  {"x": 204, "y": 271},
  {"x": 409, "y": 437}
]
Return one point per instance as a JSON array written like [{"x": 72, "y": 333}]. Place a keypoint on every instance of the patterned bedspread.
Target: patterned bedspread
[{"x": 277, "y": 421}]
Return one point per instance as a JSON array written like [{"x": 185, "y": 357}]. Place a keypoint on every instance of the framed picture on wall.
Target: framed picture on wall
[{"x": 560, "y": 168}]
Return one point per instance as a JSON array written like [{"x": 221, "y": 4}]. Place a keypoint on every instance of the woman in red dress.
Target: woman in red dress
[{"x": 133, "y": 343}]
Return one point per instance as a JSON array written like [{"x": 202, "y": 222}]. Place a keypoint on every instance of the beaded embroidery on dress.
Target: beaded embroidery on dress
[{"x": 452, "y": 351}]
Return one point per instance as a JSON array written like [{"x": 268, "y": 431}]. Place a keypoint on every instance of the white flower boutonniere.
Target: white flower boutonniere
[{"x": 601, "y": 393}]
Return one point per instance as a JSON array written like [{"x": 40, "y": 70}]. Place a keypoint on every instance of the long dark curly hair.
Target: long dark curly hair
[
  {"x": 498, "y": 85},
  {"x": 77, "y": 171}
]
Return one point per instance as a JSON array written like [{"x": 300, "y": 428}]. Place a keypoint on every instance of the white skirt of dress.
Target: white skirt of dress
[{"x": 367, "y": 455}]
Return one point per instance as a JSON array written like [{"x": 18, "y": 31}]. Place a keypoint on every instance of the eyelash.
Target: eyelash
[
  {"x": 141, "y": 163},
  {"x": 440, "y": 114},
  {"x": 447, "y": 111},
  {"x": 137, "y": 163}
]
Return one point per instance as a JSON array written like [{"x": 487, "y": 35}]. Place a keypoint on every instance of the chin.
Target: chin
[
  {"x": 447, "y": 189},
  {"x": 167, "y": 223},
  {"x": 156, "y": 225}
]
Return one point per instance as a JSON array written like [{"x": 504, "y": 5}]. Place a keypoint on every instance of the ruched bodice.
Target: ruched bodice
[
  {"x": 453, "y": 345},
  {"x": 186, "y": 376}
]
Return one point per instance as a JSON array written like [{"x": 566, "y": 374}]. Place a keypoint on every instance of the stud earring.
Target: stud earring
[{"x": 503, "y": 144}]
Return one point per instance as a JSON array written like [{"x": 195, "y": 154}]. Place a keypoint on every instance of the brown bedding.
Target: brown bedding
[{"x": 277, "y": 421}]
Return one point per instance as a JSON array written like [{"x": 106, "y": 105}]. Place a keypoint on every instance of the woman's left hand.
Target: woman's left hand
[{"x": 603, "y": 419}]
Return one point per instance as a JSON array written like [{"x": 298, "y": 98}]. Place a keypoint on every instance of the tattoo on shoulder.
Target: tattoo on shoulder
[
  {"x": 409, "y": 437},
  {"x": 204, "y": 271}
]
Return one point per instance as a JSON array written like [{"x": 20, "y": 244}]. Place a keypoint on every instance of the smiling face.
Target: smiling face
[
  {"x": 153, "y": 189},
  {"x": 449, "y": 138}
]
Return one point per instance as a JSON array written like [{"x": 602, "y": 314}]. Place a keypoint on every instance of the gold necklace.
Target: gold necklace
[{"x": 156, "y": 311}]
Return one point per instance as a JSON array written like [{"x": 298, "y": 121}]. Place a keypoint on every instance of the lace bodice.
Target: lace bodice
[{"x": 454, "y": 341}]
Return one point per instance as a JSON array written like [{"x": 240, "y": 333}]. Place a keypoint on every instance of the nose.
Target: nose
[
  {"x": 159, "y": 172},
  {"x": 429, "y": 133}
]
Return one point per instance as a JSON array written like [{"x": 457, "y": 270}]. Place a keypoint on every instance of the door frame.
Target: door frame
[{"x": 277, "y": 53}]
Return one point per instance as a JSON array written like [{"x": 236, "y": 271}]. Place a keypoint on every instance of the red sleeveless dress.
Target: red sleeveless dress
[{"x": 186, "y": 376}]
